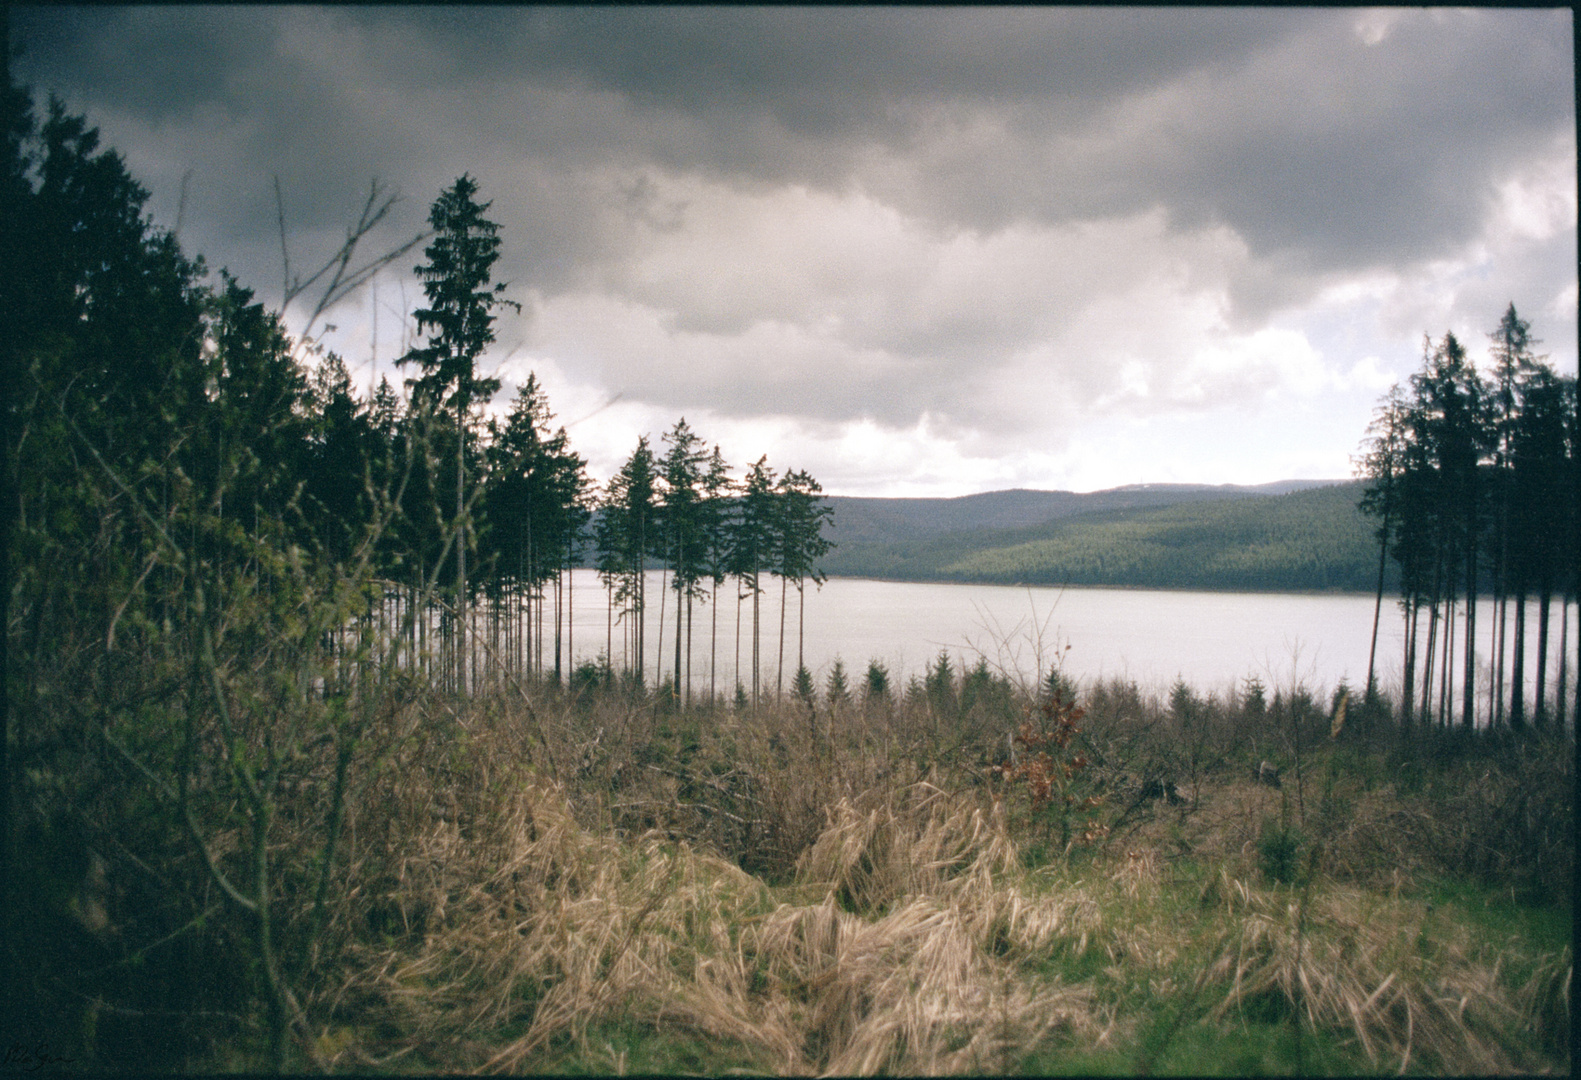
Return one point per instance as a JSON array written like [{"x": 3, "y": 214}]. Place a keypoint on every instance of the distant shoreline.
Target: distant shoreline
[{"x": 1128, "y": 588}]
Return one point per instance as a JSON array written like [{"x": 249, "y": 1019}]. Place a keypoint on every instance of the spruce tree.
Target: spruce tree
[
  {"x": 625, "y": 534},
  {"x": 801, "y": 543},
  {"x": 459, "y": 322},
  {"x": 718, "y": 515},
  {"x": 682, "y": 510},
  {"x": 753, "y": 549}
]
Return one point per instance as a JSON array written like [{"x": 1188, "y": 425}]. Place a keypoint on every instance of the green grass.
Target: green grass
[
  {"x": 626, "y": 1047},
  {"x": 1520, "y": 914}
]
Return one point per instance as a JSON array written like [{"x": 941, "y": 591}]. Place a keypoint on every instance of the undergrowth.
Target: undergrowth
[{"x": 608, "y": 883}]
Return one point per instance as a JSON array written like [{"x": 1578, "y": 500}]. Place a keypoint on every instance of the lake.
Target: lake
[{"x": 1212, "y": 640}]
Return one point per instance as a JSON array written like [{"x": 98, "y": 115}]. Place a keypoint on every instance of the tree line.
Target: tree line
[
  {"x": 142, "y": 390},
  {"x": 1473, "y": 482},
  {"x": 701, "y": 528},
  {"x": 532, "y": 515},
  {"x": 238, "y": 589}
]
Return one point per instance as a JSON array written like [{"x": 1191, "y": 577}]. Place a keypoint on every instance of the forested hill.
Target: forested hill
[
  {"x": 874, "y": 521},
  {"x": 1306, "y": 539}
]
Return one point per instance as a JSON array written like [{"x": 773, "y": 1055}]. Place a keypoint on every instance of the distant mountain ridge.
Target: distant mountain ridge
[
  {"x": 861, "y": 521},
  {"x": 1294, "y": 535}
]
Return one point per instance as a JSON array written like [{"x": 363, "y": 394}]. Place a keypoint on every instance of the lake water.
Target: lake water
[{"x": 1212, "y": 640}]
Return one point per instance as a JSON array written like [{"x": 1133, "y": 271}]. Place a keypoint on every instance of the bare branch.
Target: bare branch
[
  {"x": 286, "y": 292},
  {"x": 343, "y": 278}
]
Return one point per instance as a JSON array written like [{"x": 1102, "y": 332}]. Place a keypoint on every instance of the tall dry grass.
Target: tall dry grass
[
  {"x": 1350, "y": 963},
  {"x": 845, "y": 890},
  {"x": 506, "y": 922},
  {"x": 523, "y": 921}
]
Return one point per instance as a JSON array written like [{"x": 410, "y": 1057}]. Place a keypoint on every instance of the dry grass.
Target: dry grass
[
  {"x": 804, "y": 893},
  {"x": 539, "y": 926},
  {"x": 509, "y": 933},
  {"x": 1350, "y": 962}
]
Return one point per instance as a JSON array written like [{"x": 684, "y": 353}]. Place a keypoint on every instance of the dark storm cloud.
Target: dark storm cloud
[
  {"x": 1282, "y": 125},
  {"x": 997, "y": 218},
  {"x": 1388, "y": 155},
  {"x": 826, "y": 71}
]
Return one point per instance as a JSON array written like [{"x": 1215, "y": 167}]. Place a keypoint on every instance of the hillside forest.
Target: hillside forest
[{"x": 1305, "y": 540}]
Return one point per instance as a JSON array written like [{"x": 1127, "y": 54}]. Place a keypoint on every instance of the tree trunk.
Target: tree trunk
[
  {"x": 1538, "y": 714},
  {"x": 678, "y": 639},
  {"x": 1411, "y": 615},
  {"x": 801, "y": 624},
  {"x": 1564, "y": 657},
  {"x": 779, "y": 678},
  {"x": 1468, "y": 693},
  {"x": 658, "y": 650},
  {"x": 1446, "y": 682},
  {"x": 757, "y": 636},
  {"x": 1518, "y": 663},
  {"x": 461, "y": 553},
  {"x": 641, "y": 630},
  {"x": 1434, "y": 615},
  {"x": 1426, "y": 663},
  {"x": 1501, "y": 611},
  {"x": 1377, "y": 612}
]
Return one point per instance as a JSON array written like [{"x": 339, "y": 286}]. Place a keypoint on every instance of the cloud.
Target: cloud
[{"x": 972, "y": 243}]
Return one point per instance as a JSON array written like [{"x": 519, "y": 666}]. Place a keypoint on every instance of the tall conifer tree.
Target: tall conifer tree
[{"x": 459, "y": 321}]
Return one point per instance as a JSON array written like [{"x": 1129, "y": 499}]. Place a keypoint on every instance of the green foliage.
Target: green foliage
[
  {"x": 1467, "y": 477},
  {"x": 939, "y": 686},
  {"x": 626, "y": 531},
  {"x": 591, "y": 676},
  {"x": 798, "y": 524},
  {"x": 876, "y": 683},
  {"x": 243, "y": 804},
  {"x": 984, "y": 694},
  {"x": 836, "y": 690},
  {"x": 462, "y": 299},
  {"x": 1254, "y": 701},
  {"x": 1314, "y": 539},
  {"x": 1059, "y": 687},
  {"x": 1063, "y": 802},
  {"x": 1280, "y": 847},
  {"x": 802, "y": 687},
  {"x": 1184, "y": 705}
]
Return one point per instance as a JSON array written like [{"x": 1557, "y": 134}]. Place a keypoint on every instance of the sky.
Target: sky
[{"x": 916, "y": 252}]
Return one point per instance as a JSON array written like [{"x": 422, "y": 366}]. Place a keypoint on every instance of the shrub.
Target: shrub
[
  {"x": 1054, "y": 774},
  {"x": 837, "y": 690},
  {"x": 877, "y": 686},
  {"x": 939, "y": 686},
  {"x": 803, "y": 688},
  {"x": 1279, "y": 848}
]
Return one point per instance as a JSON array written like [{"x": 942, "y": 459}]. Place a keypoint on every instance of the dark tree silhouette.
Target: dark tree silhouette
[
  {"x": 1468, "y": 475},
  {"x": 459, "y": 321},
  {"x": 683, "y": 512}
]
